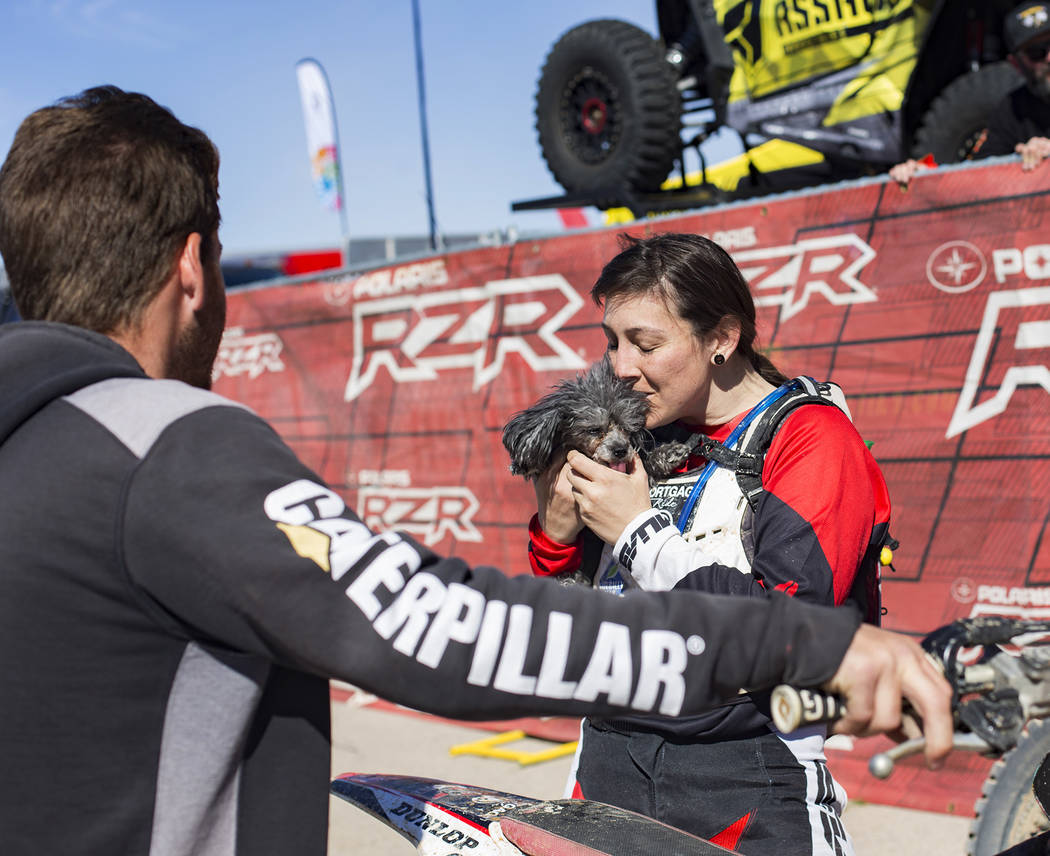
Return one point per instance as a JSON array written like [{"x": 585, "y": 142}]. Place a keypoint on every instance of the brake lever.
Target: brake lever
[{"x": 881, "y": 764}]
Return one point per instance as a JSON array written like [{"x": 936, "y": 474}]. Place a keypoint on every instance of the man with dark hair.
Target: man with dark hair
[
  {"x": 178, "y": 586},
  {"x": 1020, "y": 124}
]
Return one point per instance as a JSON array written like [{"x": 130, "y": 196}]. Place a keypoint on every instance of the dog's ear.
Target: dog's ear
[{"x": 529, "y": 437}]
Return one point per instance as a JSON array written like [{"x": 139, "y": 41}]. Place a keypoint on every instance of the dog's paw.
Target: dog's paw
[
  {"x": 667, "y": 458},
  {"x": 576, "y": 578}
]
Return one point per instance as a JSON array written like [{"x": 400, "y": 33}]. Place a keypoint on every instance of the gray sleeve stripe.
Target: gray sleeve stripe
[
  {"x": 213, "y": 698},
  {"x": 137, "y": 410}
]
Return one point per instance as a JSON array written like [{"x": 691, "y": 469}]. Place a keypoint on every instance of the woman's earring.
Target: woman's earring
[{"x": 718, "y": 359}]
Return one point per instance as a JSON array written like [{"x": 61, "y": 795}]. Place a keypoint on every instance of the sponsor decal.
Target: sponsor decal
[
  {"x": 648, "y": 527},
  {"x": 401, "y": 280},
  {"x": 956, "y": 267},
  {"x": 452, "y": 832},
  {"x": 963, "y": 590},
  {"x": 422, "y": 616},
  {"x": 429, "y": 513},
  {"x": 309, "y": 516},
  {"x": 338, "y": 290},
  {"x": 1030, "y": 603},
  {"x": 1010, "y": 336},
  {"x": 417, "y": 336},
  {"x": 385, "y": 478},
  {"x": 734, "y": 239},
  {"x": 1032, "y": 262},
  {"x": 671, "y": 495},
  {"x": 251, "y": 355},
  {"x": 803, "y": 16},
  {"x": 1033, "y": 16},
  {"x": 789, "y": 276},
  {"x": 387, "y": 282}
]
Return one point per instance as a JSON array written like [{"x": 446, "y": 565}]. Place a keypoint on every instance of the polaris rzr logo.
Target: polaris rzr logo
[
  {"x": 427, "y": 513},
  {"x": 251, "y": 355},
  {"x": 415, "y": 337},
  {"x": 956, "y": 267},
  {"x": 423, "y": 616},
  {"x": 789, "y": 276},
  {"x": 1015, "y": 331}
]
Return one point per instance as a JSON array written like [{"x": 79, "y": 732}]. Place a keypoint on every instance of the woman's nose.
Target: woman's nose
[{"x": 623, "y": 365}]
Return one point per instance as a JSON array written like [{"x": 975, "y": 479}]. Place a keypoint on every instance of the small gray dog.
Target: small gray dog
[
  {"x": 600, "y": 415},
  {"x": 596, "y": 413}
]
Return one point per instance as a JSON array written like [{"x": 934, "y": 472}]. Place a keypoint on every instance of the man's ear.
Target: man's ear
[{"x": 191, "y": 271}]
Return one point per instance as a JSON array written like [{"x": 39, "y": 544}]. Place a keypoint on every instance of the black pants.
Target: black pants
[{"x": 751, "y": 794}]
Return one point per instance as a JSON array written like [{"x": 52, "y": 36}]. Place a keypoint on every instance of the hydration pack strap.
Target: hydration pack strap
[
  {"x": 734, "y": 435},
  {"x": 756, "y": 446},
  {"x": 748, "y": 461}
]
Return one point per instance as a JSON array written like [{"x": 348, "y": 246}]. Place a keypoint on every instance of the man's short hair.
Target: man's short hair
[{"x": 97, "y": 197}]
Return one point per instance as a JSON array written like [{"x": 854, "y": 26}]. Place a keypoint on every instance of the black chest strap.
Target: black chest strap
[{"x": 747, "y": 461}]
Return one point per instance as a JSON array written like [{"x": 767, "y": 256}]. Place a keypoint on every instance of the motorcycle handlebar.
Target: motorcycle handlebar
[{"x": 794, "y": 708}]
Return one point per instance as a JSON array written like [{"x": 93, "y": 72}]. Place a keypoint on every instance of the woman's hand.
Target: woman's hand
[
  {"x": 556, "y": 506},
  {"x": 608, "y": 500}
]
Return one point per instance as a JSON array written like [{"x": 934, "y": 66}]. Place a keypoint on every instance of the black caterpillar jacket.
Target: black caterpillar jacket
[{"x": 177, "y": 586}]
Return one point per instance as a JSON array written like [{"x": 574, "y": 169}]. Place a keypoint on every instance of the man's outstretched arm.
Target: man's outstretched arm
[{"x": 237, "y": 542}]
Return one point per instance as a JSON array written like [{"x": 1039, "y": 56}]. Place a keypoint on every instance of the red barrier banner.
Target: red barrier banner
[{"x": 930, "y": 307}]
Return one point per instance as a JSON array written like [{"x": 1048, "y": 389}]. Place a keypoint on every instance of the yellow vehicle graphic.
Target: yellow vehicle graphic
[{"x": 817, "y": 90}]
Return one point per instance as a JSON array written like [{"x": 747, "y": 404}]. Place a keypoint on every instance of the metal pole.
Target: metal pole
[{"x": 420, "y": 86}]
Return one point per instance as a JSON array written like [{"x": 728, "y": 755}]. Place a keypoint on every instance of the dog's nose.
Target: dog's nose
[{"x": 618, "y": 451}]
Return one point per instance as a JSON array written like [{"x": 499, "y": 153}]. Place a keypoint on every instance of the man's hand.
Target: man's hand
[
  {"x": 879, "y": 669},
  {"x": 1033, "y": 153},
  {"x": 608, "y": 500}
]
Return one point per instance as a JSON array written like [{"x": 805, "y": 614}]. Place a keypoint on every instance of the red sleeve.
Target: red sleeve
[
  {"x": 819, "y": 467},
  {"x": 547, "y": 557}
]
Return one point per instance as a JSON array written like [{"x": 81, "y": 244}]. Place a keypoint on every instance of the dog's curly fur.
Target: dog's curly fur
[
  {"x": 597, "y": 413},
  {"x": 601, "y": 416}
]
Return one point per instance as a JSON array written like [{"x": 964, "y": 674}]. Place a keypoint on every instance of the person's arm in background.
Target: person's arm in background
[
  {"x": 904, "y": 172},
  {"x": 1033, "y": 152}
]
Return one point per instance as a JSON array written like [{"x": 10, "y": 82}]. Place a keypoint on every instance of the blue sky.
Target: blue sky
[{"x": 229, "y": 68}]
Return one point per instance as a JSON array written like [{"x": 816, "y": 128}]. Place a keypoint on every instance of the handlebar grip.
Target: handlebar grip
[{"x": 793, "y": 708}]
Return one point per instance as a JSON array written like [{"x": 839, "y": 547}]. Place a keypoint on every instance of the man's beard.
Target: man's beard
[
  {"x": 1039, "y": 83},
  {"x": 196, "y": 350}
]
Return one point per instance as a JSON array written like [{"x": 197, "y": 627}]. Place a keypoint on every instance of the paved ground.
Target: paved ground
[{"x": 367, "y": 740}]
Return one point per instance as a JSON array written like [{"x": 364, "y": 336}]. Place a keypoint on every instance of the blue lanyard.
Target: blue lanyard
[{"x": 731, "y": 440}]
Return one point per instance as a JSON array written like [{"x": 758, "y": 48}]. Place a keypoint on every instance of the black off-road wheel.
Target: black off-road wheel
[
  {"x": 956, "y": 119},
  {"x": 608, "y": 111},
  {"x": 1007, "y": 812}
]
